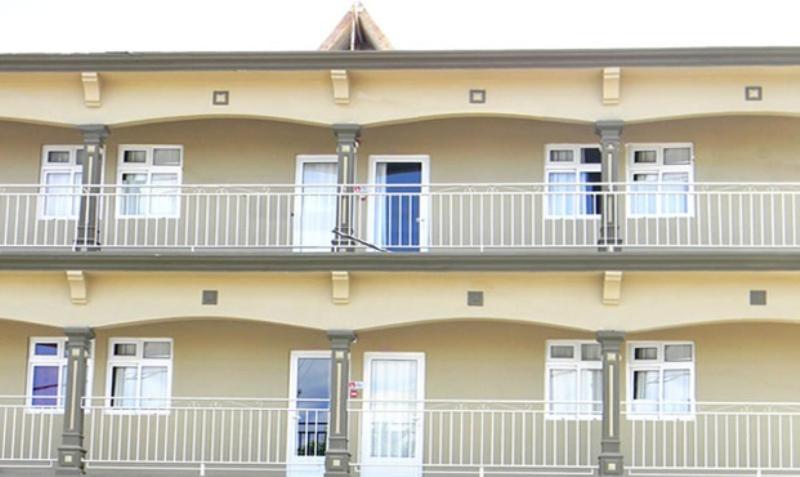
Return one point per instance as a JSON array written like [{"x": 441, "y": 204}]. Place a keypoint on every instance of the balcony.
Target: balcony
[
  {"x": 393, "y": 219},
  {"x": 465, "y": 437}
]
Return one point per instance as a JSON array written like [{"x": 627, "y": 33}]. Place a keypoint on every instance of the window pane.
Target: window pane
[
  {"x": 676, "y": 391},
  {"x": 318, "y": 207},
  {"x": 80, "y": 155},
  {"x": 675, "y": 197},
  {"x": 562, "y": 351},
  {"x": 643, "y": 200},
  {"x": 123, "y": 386},
  {"x": 164, "y": 200},
  {"x": 678, "y": 353},
  {"x": 563, "y": 391},
  {"x": 45, "y": 349},
  {"x": 58, "y": 157},
  {"x": 562, "y": 155},
  {"x": 645, "y": 353},
  {"x": 674, "y": 156},
  {"x": 166, "y": 157},
  {"x": 154, "y": 386},
  {"x": 313, "y": 383},
  {"x": 58, "y": 201},
  {"x": 644, "y": 157},
  {"x": 561, "y": 198},
  {"x": 134, "y": 157},
  {"x": 124, "y": 349},
  {"x": 590, "y": 352},
  {"x": 393, "y": 383},
  {"x": 591, "y": 199},
  {"x": 45, "y": 386},
  {"x": 591, "y": 395},
  {"x": 645, "y": 388},
  {"x": 157, "y": 349},
  {"x": 133, "y": 203},
  {"x": 591, "y": 155}
]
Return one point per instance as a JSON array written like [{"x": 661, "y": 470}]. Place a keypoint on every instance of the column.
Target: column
[
  {"x": 337, "y": 456},
  {"x": 71, "y": 450},
  {"x": 611, "y": 458},
  {"x": 610, "y": 132},
  {"x": 94, "y": 136},
  {"x": 347, "y": 153}
]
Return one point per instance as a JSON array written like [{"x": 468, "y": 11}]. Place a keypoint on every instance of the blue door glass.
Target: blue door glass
[
  {"x": 401, "y": 206},
  {"x": 313, "y": 404}
]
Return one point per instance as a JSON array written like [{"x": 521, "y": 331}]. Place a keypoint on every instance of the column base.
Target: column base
[
  {"x": 337, "y": 463},
  {"x": 611, "y": 464},
  {"x": 70, "y": 460}
]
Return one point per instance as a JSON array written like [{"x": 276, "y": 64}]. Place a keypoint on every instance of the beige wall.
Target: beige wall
[
  {"x": 464, "y": 359},
  {"x": 461, "y": 150}
]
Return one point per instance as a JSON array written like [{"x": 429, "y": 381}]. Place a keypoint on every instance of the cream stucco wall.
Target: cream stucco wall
[
  {"x": 461, "y": 150},
  {"x": 463, "y": 359},
  {"x": 650, "y": 300}
]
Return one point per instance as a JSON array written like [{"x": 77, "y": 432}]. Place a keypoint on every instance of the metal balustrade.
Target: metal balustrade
[
  {"x": 29, "y": 434},
  {"x": 715, "y": 439},
  {"x": 430, "y": 218}
]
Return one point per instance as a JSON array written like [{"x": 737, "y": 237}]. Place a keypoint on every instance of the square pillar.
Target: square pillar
[
  {"x": 88, "y": 233},
  {"x": 337, "y": 454},
  {"x": 71, "y": 451},
  {"x": 611, "y": 460},
  {"x": 610, "y": 132},
  {"x": 347, "y": 157}
]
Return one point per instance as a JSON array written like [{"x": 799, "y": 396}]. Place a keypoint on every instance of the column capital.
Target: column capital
[
  {"x": 609, "y": 129},
  {"x": 341, "y": 339},
  {"x": 610, "y": 338},
  {"x": 347, "y": 131},
  {"x": 94, "y": 133},
  {"x": 79, "y": 334}
]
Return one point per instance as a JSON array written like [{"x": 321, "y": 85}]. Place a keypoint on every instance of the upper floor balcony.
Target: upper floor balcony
[{"x": 450, "y": 189}]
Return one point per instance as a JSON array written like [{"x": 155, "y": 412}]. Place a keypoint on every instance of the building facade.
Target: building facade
[{"x": 400, "y": 264}]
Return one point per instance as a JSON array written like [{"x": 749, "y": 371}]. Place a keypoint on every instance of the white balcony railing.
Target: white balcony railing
[
  {"x": 29, "y": 435},
  {"x": 715, "y": 439},
  {"x": 430, "y": 217}
]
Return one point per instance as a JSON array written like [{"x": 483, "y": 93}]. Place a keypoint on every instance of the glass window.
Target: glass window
[
  {"x": 47, "y": 371},
  {"x": 61, "y": 177},
  {"x": 661, "y": 178},
  {"x": 149, "y": 179},
  {"x": 573, "y": 174},
  {"x": 574, "y": 379},
  {"x": 140, "y": 373},
  {"x": 661, "y": 380},
  {"x": 313, "y": 402}
]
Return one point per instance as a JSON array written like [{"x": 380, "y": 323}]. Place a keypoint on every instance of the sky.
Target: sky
[{"x": 70, "y": 26}]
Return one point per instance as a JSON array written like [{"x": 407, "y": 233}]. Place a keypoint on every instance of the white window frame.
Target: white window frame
[
  {"x": 149, "y": 169},
  {"x": 60, "y": 360},
  {"x": 139, "y": 361},
  {"x": 575, "y": 363},
  {"x": 659, "y": 168},
  {"x": 301, "y": 161},
  {"x": 72, "y": 168},
  {"x": 424, "y": 203},
  {"x": 660, "y": 365},
  {"x": 575, "y": 167}
]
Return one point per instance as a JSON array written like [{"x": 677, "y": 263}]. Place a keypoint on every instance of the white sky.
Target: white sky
[{"x": 200, "y": 25}]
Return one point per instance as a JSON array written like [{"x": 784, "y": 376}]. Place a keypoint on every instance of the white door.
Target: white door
[
  {"x": 309, "y": 404},
  {"x": 315, "y": 203},
  {"x": 392, "y": 432}
]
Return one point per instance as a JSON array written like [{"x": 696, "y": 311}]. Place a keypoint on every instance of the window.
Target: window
[
  {"x": 60, "y": 179},
  {"x": 139, "y": 373},
  {"x": 574, "y": 373},
  {"x": 573, "y": 175},
  {"x": 149, "y": 177},
  {"x": 47, "y": 372},
  {"x": 661, "y": 379},
  {"x": 660, "y": 176}
]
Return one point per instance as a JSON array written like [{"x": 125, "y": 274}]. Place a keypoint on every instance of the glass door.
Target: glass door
[
  {"x": 315, "y": 203},
  {"x": 309, "y": 413},
  {"x": 393, "y": 421},
  {"x": 399, "y": 206}
]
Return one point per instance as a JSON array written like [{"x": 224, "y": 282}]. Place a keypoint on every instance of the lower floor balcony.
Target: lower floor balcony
[{"x": 467, "y": 398}]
